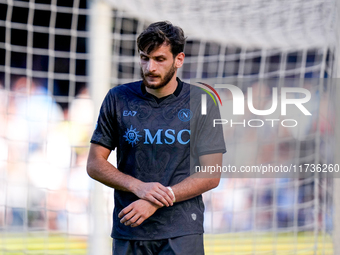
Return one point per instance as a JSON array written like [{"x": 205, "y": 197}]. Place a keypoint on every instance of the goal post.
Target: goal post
[
  {"x": 99, "y": 70},
  {"x": 336, "y": 185}
]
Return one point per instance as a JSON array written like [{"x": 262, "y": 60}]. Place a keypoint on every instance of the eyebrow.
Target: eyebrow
[{"x": 147, "y": 55}]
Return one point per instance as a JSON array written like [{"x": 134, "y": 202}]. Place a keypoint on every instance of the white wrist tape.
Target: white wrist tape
[{"x": 172, "y": 194}]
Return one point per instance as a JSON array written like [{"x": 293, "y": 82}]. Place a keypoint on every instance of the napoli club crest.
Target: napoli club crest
[{"x": 184, "y": 115}]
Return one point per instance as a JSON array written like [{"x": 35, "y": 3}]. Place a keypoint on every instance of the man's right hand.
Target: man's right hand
[{"x": 155, "y": 193}]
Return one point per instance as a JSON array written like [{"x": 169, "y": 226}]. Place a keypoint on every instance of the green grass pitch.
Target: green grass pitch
[{"x": 215, "y": 244}]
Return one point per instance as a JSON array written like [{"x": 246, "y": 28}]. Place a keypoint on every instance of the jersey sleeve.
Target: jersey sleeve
[
  {"x": 105, "y": 133},
  {"x": 209, "y": 139}
]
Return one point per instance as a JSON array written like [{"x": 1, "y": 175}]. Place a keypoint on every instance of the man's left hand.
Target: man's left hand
[{"x": 134, "y": 214}]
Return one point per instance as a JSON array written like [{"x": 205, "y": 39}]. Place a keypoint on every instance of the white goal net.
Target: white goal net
[{"x": 59, "y": 58}]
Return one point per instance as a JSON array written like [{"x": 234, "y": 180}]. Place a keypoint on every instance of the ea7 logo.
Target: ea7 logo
[{"x": 129, "y": 113}]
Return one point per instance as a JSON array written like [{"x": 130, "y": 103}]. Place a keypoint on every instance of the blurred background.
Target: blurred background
[{"x": 58, "y": 59}]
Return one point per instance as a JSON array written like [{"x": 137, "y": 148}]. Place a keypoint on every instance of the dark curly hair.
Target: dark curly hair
[{"x": 159, "y": 32}]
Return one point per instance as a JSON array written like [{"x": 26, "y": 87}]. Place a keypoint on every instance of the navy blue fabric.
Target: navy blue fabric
[
  {"x": 156, "y": 142},
  {"x": 183, "y": 245}
]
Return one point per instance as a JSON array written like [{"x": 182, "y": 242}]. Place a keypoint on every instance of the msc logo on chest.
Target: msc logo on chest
[
  {"x": 168, "y": 136},
  {"x": 131, "y": 135}
]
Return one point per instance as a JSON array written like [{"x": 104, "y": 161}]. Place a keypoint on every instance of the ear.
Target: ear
[{"x": 179, "y": 59}]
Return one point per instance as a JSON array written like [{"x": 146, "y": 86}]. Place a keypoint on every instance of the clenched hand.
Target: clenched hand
[{"x": 155, "y": 193}]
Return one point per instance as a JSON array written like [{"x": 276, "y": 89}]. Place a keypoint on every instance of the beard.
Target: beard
[{"x": 163, "y": 82}]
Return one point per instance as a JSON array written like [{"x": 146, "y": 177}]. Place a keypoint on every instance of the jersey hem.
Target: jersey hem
[
  {"x": 155, "y": 239},
  {"x": 101, "y": 144},
  {"x": 212, "y": 152}
]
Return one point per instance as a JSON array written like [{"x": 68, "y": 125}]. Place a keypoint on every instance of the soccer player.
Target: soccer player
[{"x": 160, "y": 135}]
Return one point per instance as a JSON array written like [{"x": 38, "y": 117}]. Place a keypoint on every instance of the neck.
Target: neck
[{"x": 168, "y": 89}]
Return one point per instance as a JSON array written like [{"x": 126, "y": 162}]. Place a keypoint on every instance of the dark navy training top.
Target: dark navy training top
[{"x": 158, "y": 141}]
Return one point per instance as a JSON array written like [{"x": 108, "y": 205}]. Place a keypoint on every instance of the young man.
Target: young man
[{"x": 160, "y": 134}]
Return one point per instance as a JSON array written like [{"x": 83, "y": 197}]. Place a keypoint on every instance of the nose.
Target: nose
[{"x": 151, "y": 66}]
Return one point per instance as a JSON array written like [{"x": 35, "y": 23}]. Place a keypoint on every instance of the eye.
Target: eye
[
  {"x": 160, "y": 59},
  {"x": 145, "y": 58}
]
